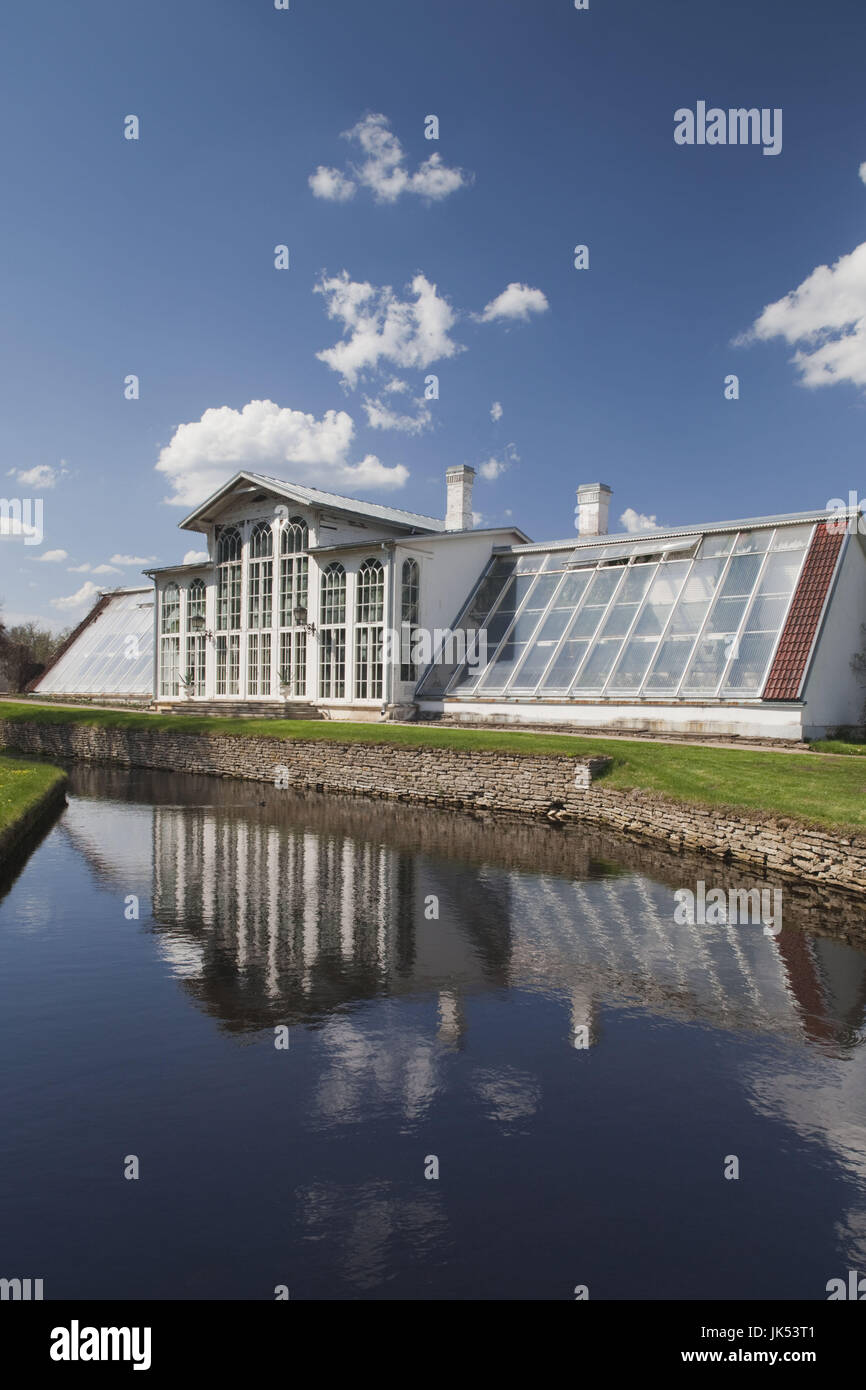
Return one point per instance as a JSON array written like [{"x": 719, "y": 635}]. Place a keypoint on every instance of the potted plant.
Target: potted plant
[{"x": 187, "y": 683}]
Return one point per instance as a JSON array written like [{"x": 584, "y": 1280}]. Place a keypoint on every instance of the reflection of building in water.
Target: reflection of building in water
[
  {"x": 290, "y": 922},
  {"x": 275, "y": 908},
  {"x": 616, "y": 938}
]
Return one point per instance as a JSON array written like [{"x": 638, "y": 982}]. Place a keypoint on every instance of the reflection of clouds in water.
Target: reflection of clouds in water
[
  {"x": 824, "y": 1102},
  {"x": 184, "y": 956},
  {"x": 394, "y": 1068},
  {"x": 507, "y": 1095},
  {"x": 376, "y": 1228},
  {"x": 851, "y": 1236}
]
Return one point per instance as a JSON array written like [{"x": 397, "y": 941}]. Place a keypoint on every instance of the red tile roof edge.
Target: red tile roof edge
[{"x": 798, "y": 634}]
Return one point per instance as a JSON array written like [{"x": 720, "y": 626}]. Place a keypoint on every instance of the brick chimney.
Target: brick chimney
[
  {"x": 593, "y": 501},
  {"x": 458, "y": 510}
]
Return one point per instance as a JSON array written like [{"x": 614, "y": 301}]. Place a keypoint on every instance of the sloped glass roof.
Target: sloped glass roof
[
  {"x": 112, "y": 656},
  {"x": 695, "y": 619}
]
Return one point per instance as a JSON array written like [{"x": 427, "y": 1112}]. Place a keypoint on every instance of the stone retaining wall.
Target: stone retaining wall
[{"x": 475, "y": 780}]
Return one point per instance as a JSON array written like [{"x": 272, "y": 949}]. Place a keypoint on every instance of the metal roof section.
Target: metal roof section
[
  {"x": 348, "y": 546},
  {"x": 704, "y": 528},
  {"x": 316, "y": 497}
]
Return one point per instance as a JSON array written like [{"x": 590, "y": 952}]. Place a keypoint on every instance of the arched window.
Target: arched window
[
  {"x": 195, "y": 675},
  {"x": 228, "y": 644},
  {"x": 332, "y": 634},
  {"x": 369, "y": 619},
  {"x": 294, "y": 587},
  {"x": 169, "y": 641},
  {"x": 260, "y": 608},
  {"x": 410, "y": 596}
]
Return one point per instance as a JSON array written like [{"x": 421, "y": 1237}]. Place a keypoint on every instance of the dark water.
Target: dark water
[{"x": 412, "y": 1037}]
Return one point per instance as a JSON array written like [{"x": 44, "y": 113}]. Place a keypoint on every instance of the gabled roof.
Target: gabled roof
[{"x": 314, "y": 497}]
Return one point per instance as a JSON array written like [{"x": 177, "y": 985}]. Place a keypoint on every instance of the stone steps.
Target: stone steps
[{"x": 245, "y": 709}]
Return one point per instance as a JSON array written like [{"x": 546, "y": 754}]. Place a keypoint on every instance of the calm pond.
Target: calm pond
[{"x": 432, "y": 974}]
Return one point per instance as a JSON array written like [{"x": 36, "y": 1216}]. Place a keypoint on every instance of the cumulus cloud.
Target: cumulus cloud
[
  {"x": 515, "y": 302},
  {"x": 381, "y": 417},
  {"x": 493, "y": 468},
  {"x": 105, "y": 569},
  {"x": 42, "y": 477},
  {"x": 83, "y": 596},
  {"x": 195, "y": 557},
  {"x": 825, "y": 319},
  {"x": 496, "y": 411},
  {"x": 133, "y": 559},
  {"x": 396, "y": 386},
  {"x": 379, "y": 328},
  {"x": 384, "y": 169},
  {"x": 331, "y": 185},
  {"x": 52, "y": 557},
  {"x": 267, "y": 438},
  {"x": 637, "y": 521},
  {"x": 863, "y": 171}
]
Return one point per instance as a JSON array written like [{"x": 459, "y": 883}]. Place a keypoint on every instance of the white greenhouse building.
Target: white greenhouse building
[{"x": 319, "y": 605}]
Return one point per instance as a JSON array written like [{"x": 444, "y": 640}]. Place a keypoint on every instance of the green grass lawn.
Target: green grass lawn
[
  {"x": 22, "y": 785},
  {"x": 839, "y": 745},
  {"x": 828, "y": 792}
]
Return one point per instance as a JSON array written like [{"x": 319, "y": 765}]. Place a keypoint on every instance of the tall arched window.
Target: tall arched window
[
  {"x": 369, "y": 620},
  {"x": 260, "y": 609},
  {"x": 294, "y": 588},
  {"x": 332, "y": 634},
  {"x": 228, "y": 643},
  {"x": 169, "y": 641},
  {"x": 195, "y": 674},
  {"x": 410, "y": 595}
]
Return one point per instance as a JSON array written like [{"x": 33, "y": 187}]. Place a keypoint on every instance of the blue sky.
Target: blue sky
[{"x": 155, "y": 257}]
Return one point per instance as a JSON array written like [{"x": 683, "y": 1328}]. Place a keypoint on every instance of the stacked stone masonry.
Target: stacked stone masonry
[{"x": 477, "y": 780}]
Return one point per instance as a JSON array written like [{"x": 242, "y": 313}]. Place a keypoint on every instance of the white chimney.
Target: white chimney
[
  {"x": 458, "y": 510},
  {"x": 593, "y": 501}
]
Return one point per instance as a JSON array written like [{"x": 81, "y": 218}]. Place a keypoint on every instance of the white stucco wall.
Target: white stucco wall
[{"x": 774, "y": 721}]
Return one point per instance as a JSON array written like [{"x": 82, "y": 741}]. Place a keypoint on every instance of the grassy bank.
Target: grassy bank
[
  {"x": 23, "y": 787},
  {"x": 828, "y": 792}
]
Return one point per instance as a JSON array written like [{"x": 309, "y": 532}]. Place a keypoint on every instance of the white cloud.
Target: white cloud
[
  {"x": 515, "y": 302},
  {"x": 863, "y": 171},
  {"x": 396, "y": 386},
  {"x": 637, "y": 521},
  {"x": 496, "y": 411},
  {"x": 477, "y": 518},
  {"x": 84, "y": 596},
  {"x": 133, "y": 559},
  {"x": 381, "y": 417},
  {"x": 331, "y": 185},
  {"x": 384, "y": 170},
  {"x": 379, "y": 328},
  {"x": 826, "y": 317},
  {"x": 268, "y": 438},
  {"x": 79, "y": 569},
  {"x": 195, "y": 557},
  {"x": 105, "y": 569},
  {"x": 52, "y": 557},
  {"x": 42, "y": 477},
  {"x": 493, "y": 468}
]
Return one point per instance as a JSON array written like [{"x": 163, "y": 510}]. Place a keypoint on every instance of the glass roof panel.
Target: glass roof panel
[
  {"x": 112, "y": 656},
  {"x": 693, "y": 616}
]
